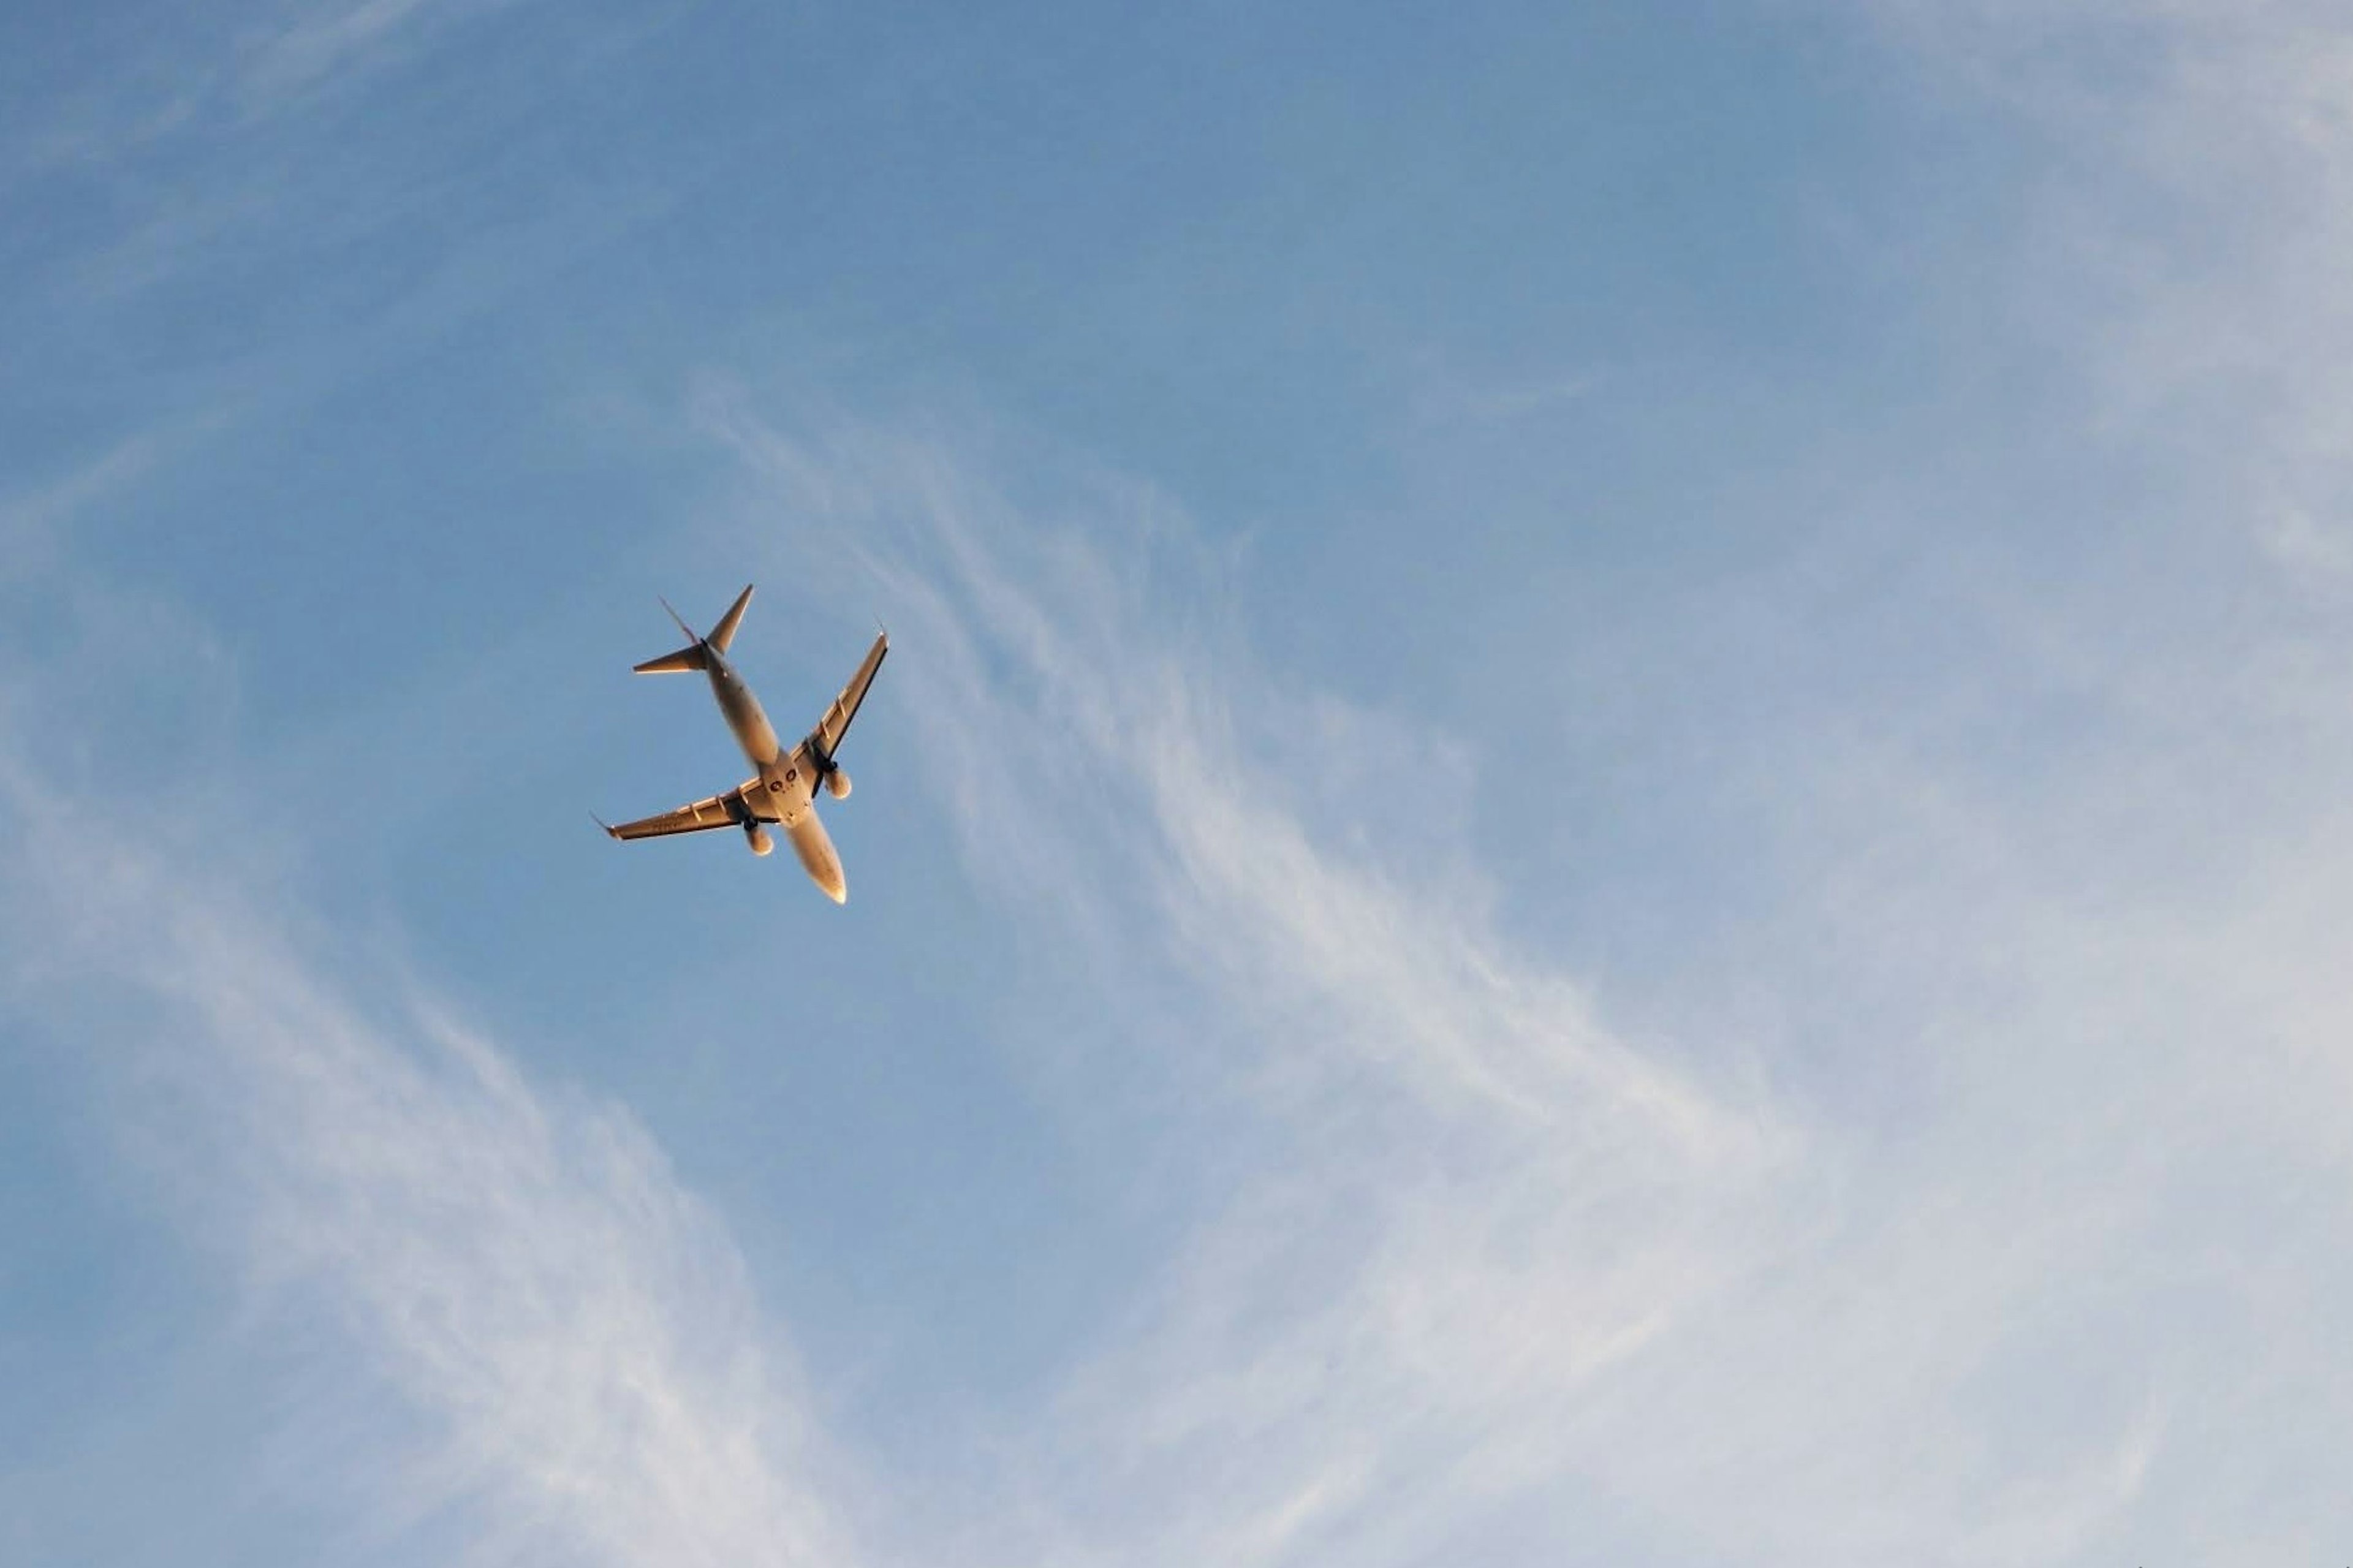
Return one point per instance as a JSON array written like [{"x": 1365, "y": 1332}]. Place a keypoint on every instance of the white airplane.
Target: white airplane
[{"x": 785, "y": 789}]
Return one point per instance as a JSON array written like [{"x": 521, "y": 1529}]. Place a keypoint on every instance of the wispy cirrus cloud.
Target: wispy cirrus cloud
[
  {"x": 209, "y": 76},
  {"x": 315, "y": 42},
  {"x": 1481, "y": 1264},
  {"x": 32, "y": 519},
  {"x": 2180, "y": 247},
  {"x": 559, "y": 1343},
  {"x": 1487, "y": 1267}
]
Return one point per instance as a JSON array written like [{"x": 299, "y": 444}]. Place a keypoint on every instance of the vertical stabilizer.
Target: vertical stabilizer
[{"x": 725, "y": 632}]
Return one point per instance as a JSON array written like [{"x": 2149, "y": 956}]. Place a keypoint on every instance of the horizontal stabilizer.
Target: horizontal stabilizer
[{"x": 683, "y": 661}]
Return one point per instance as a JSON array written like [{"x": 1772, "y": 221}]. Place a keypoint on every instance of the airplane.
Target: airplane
[{"x": 785, "y": 789}]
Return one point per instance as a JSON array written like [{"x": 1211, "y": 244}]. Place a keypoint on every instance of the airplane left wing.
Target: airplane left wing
[
  {"x": 836, "y": 723},
  {"x": 736, "y": 807}
]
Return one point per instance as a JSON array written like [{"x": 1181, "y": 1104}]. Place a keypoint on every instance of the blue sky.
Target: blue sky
[{"x": 1606, "y": 828}]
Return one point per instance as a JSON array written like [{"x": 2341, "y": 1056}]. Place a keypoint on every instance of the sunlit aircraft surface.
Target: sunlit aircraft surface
[{"x": 785, "y": 789}]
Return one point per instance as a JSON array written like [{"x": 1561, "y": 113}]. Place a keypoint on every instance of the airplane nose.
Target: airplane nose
[{"x": 817, "y": 858}]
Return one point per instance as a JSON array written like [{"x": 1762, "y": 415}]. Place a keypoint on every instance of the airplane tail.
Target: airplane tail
[
  {"x": 694, "y": 656},
  {"x": 687, "y": 658}
]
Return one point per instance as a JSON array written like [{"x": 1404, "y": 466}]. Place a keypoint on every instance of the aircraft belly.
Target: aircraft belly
[
  {"x": 743, "y": 716},
  {"x": 783, "y": 789},
  {"x": 814, "y": 848}
]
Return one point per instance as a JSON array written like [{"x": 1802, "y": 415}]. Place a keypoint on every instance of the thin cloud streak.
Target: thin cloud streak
[
  {"x": 32, "y": 520},
  {"x": 209, "y": 75},
  {"x": 321, "y": 41}
]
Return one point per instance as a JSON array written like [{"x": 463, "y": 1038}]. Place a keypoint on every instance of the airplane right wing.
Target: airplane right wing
[
  {"x": 732, "y": 809},
  {"x": 836, "y": 723}
]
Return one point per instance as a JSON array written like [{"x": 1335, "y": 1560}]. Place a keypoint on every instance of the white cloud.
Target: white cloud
[
  {"x": 1488, "y": 1251},
  {"x": 315, "y": 44},
  {"x": 2188, "y": 227},
  {"x": 1484, "y": 1266},
  {"x": 195, "y": 76},
  {"x": 586, "y": 1375},
  {"x": 32, "y": 520}
]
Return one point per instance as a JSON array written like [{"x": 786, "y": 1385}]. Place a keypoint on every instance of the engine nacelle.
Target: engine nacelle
[
  {"x": 837, "y": 784},
  {"x": 758, "y": 837}
]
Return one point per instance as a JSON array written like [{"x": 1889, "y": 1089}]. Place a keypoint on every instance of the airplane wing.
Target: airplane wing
[
  {"x": 836, "y": 723},
  {"x": 732, "y": 809}
]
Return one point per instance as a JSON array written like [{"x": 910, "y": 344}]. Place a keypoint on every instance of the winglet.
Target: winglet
[{"x": 609, "y": 831}]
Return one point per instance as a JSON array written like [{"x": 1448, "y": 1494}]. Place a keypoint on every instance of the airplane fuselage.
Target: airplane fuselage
[
  {"x": 788, "y": 775},
  {"x": 742, "y": 710}
]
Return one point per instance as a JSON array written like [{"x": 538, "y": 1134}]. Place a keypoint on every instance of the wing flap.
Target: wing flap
[{"x": 732, "y": 809}]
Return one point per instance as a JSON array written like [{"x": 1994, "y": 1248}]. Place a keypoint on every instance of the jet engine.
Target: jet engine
[
  {"x": 837, "y": 784},
  {"x": 758, "y": 837}
]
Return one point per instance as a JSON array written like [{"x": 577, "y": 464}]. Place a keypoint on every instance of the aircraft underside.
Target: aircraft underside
[{"x": 784, "y": 791}]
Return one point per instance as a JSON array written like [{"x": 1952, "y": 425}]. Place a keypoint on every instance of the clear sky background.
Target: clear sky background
[{"x": 1608, "y": 827}]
